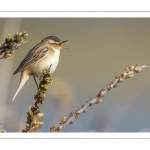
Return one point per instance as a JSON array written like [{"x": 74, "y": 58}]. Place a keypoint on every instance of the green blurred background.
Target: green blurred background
[{"x": 99, "y": 49}]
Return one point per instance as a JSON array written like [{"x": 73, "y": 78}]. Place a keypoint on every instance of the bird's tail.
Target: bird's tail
[{"x": 23, "y": 79}]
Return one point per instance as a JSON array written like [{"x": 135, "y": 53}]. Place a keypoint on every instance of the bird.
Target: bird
[{"x": 43, "y": 55}]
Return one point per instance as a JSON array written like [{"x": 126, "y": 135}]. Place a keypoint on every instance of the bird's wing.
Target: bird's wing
[{"x": 33, "y": 56}]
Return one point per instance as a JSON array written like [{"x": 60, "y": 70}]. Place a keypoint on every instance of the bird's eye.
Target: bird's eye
[{"x": 54, "y": 44}]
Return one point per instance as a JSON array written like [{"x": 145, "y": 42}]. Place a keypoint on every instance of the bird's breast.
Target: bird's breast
[{"x": 45, "y": 62}]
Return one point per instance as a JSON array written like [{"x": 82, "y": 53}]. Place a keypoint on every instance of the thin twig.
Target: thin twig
[
  {"x": 12, "y": 43},
  {"x": 128, "y": 73}
]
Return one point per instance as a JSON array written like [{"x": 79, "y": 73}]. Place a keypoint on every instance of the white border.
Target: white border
[
  {"x": 75, "y": 135},
  {"x": 75, "y": 5},
  {"x": 74, "y": 14}
]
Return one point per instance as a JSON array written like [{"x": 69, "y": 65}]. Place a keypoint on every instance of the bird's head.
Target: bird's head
[{"x": 55, "y": 42}]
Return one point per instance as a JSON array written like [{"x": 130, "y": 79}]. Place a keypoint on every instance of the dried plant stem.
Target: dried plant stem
[
  {"x": 34, "y": 115},
  {"x": 128, "y": 73}
]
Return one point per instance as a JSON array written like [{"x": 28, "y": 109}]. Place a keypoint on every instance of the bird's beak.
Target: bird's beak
[{"x": 61, "y": 46}]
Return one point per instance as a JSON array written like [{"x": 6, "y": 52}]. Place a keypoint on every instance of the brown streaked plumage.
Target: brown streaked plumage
[{"x": 39, "y": 57}]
